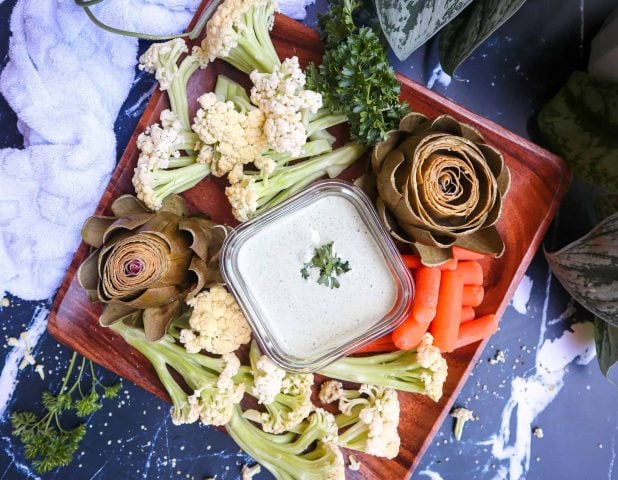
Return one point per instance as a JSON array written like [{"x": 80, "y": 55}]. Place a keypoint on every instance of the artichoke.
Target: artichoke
[
  {"x": 147, "y": 264},
  {"x": 439, "y": 184}
]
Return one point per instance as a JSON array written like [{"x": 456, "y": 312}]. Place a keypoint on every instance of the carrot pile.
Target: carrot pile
[{"x": 444, "y": 301}]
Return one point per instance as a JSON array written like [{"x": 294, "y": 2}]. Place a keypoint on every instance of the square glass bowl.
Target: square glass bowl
[{"x": 304, "y": 325}]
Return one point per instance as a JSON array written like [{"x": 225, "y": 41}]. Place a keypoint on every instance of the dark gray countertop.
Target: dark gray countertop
[{"x": 549, "y": 378}]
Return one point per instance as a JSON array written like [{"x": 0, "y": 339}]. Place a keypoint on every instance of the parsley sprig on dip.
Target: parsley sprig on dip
[{"x": 329, "y": 264}]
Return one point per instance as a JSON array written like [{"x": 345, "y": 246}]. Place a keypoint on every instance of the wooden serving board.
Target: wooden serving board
[{"x": 539, "y": 181}]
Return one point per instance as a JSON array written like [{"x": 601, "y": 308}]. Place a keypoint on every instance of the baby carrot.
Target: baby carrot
[
  {"x": 382, "y": 344},
  {"x": 472, "y": 272},
  {"x": 426, "y": 285},
  {"x": 476, "y": 330},
  {"x": 409, "y": 334},
  {"x": 413, "y": 262},
  {"x": 445, "y": 326},
  {"x": 463, "y": 254},
  {"x": 467, "y": 314},
  {"x": 473, "y": 295}
]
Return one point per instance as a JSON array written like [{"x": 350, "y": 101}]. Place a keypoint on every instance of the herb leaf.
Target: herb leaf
[
  {"x": 329, "y": 265},
  {"x": 355, "y": 77},
  {"x": 46, "y": 442}
]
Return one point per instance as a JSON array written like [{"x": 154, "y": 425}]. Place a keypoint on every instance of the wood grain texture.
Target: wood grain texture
[{"x": 539, "y": 181}]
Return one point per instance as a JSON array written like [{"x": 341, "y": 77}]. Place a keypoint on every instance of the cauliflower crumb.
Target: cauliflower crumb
[
  {"x": 461, "y": 416},
  {"x": 39, "y": 369},
  {"x": 217, "y": 323},
  {"x": 538, "y": 432},
  {"x": 500, "y": 357},
  {"x": 249, "y": 472},
  {"x": 5, "y": 302},
  {"x": 354, "y": 465}
]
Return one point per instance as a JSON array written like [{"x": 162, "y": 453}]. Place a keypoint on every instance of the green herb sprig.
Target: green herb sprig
[
  {"x": 329, "y": 264},
  {"x": 355, "y": 77},
  {"x": 46, "y": 442}
]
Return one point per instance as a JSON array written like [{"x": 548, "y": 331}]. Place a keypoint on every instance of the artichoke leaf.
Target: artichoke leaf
[
  {"x": 588, "y": 269},
  {"x": 412, "y": 122},
  {"x": 486, "y": 241},
  {"x": 382, "y": 149},
  {"x": 156, "y": 320},
  {"x": 115, "y": 312},
  {"x": 174, "y": 204},
  {"x": 127, "y": 205},
  {"x": 153, "y": 297},
  {"x": 94, "y": 228},
  {"x": 432, "y": 256},
  {"x": 88, "y": 272},
  {"x": 129, "y": 224}
]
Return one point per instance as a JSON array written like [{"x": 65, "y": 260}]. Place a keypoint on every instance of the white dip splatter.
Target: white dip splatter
[{"x": 522, "y": 295}]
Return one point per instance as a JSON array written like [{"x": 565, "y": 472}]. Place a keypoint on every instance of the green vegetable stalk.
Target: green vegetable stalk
[
  {"x": 46, "y": 441},
  {"x": 239, "y": 33},
  {"x": 311, "y": 453},
  {"x": 254, "y": 195},
  {"x": 215, "y": 390},
  {"x": 420, "y": 371}
]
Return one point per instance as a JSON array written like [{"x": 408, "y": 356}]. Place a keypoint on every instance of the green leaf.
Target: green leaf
[
  {"x": 408, "y": 24},
  {"x": 606, "y": 339},
  {"x": 471, "y": 27},
  {"x": 588, "y": 269},
  {"x": 581, "y": 124}
]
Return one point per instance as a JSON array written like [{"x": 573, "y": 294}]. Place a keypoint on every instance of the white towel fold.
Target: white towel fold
[{"x": 66, "y": 80}]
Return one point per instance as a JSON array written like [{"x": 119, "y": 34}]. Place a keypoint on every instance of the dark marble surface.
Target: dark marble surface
[{"x": 541, "y": 383}]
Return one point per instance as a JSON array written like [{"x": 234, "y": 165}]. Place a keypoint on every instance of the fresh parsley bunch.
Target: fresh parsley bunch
[
  {"x": 46, "y": 442},
  {"x": 355, "y": 77}
]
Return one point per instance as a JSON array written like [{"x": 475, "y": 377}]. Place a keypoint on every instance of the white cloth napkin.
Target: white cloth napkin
[{"x": 66, "y": 79}]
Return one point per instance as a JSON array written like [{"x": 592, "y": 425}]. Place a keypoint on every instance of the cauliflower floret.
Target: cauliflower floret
[
  {"x": 243, "y": 198},
  {"x": 238, "y": 33},
  {"x": 215, "y": 403},
  {"x": 331, "y": 391},
  {"x": 230, "y": 139},
  {"x": 285, "y": 396},
  {"x": 375, "y": 418},
  {"x": 281, "y": 96},
  {"x": 161, "y": 59},
  {"x": 217, "y": 323},
  {"x": 429, "y": 357},
  {"x": 159, "y": 147},
  {"x": 267, "y": 380},
  {"x": 461, "y": 416}
]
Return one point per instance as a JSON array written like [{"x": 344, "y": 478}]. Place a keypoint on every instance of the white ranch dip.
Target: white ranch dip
[{"x": 304, "y": 317}]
